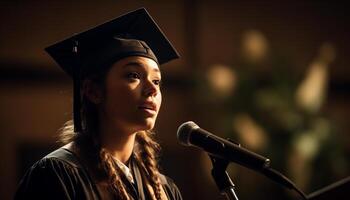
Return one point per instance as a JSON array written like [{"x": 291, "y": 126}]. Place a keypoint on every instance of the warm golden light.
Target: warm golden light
[
  {"x": 312, "y": 91},
  {"x": 222, "y": 79},
  {"x": 254, "y": 46},
  {"x": 251, "y": 134}
]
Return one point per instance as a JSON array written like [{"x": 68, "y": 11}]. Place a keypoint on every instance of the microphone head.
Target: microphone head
[{"x": 184, "y": 132}]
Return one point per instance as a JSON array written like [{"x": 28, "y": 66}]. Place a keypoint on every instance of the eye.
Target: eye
[
  {"x": 157, "y": 82},
  {"x": 133, "y": 76}
]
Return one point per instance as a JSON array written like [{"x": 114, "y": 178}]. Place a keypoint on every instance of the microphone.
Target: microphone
[{"x": 190, "y": 134}]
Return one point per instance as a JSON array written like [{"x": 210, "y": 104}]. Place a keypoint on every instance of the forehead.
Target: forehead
[{"x": 137, "y": 62}]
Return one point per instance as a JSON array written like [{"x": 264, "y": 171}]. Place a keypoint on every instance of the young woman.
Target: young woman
[{"x": 110, "y": 152}]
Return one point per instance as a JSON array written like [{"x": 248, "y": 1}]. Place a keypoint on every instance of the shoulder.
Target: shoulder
[
  {"x": 58, "y": 173},
  {"x": 170, "y": 187},
  {"x": 63, "y": 155},
  {"x": 60, "y": 159}
]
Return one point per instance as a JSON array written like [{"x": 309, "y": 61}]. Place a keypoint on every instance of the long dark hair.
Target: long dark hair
[{"x": 146, "y": 149}]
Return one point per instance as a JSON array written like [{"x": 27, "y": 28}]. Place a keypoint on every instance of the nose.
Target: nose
[{"x": 150, "y": 89}]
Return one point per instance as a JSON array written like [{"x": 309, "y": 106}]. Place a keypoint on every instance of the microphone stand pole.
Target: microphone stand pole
[{"x": 221, "y": 177}]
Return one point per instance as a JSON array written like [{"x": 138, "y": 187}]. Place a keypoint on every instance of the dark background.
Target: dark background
[{"x": 36, "y": 95}]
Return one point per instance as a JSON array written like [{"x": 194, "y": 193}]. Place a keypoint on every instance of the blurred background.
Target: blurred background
[{"x": 272, "y": 76}]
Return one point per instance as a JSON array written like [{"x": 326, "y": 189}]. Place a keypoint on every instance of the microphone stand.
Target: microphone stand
[{"x": 221, "y": 177}]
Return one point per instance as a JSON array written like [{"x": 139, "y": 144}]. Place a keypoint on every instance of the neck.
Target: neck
[{"x": 118, "y": 142}]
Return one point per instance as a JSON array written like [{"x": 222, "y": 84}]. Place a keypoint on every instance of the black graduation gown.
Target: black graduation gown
[{"x": 60, "y": 175}]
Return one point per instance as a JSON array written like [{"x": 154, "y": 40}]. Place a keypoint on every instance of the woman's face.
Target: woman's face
[{"x": 132, "y": 95}]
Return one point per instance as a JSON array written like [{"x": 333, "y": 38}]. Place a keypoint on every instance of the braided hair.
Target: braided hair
[{"x": 146, "y": 148}]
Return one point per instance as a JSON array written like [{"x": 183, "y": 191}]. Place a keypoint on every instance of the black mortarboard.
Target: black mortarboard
[{"x": 132, "y": 34}]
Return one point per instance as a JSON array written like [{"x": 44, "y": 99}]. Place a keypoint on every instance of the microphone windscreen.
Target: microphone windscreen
[{"x": 184, "y": 132}]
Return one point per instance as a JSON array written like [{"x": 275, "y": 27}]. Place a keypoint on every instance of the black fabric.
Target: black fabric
[
  {"x": 105, "y": 42},
  {"x": 60, "y": 175}
]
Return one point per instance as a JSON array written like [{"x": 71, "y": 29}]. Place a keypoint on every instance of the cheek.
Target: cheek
[
  {"x": 159, "y": 99},
  {"x": 118, "y": 99}
]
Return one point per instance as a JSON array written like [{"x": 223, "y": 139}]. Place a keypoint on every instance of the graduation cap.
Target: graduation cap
[{"x": 132, "y": 34}]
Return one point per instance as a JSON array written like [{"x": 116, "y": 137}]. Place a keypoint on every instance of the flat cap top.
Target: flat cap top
[{"x": 134, "y": 33}]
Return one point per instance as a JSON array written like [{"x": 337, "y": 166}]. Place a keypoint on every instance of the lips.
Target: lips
[{"x": 148, "y": 106}]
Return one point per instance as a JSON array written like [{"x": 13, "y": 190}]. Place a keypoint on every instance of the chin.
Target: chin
[
  {"x": 146, "y": 125},
  {"x": 149, "y": 126}
]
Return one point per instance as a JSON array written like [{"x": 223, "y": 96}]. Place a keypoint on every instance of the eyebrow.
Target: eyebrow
[{"x": 139, "y": 64}]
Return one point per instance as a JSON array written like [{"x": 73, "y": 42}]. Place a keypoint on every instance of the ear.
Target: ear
[{"x": 92, "y": 91}]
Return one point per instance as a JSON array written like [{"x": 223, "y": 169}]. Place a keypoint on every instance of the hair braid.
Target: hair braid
[
  {"x": 147, "y": 154},
  {"x": 113, "y": 171},
  {"x": 146, "y": 147}
]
